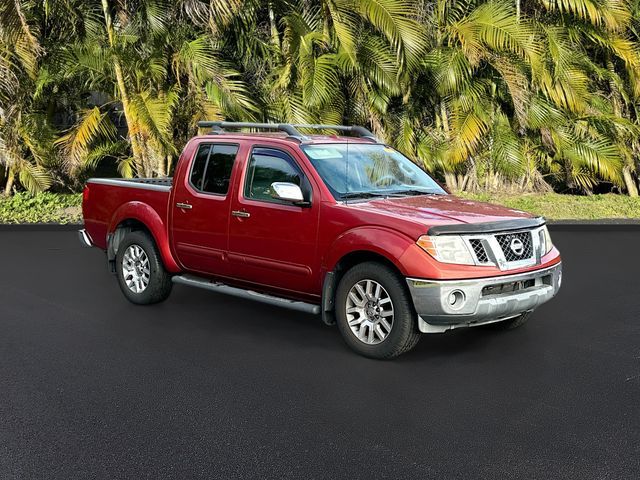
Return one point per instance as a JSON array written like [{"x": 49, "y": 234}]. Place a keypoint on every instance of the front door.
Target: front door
[
  {"x": 201, "y": 209},
  {"x": 272, "y": 242}
]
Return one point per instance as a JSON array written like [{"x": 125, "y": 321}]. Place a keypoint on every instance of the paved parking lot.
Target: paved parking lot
[{"x": 206, "y": 386}]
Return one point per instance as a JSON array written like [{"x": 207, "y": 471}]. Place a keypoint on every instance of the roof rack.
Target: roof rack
[{"x": 288, "y": 128}]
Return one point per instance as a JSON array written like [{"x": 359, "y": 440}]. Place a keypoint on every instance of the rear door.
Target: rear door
[
  {"x": 273, "y": 242},
  {"x": 201, "y": 206}
]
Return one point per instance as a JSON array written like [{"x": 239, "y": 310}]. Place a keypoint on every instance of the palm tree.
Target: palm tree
[
  {"x": 593, "y": 76},
  {"x": 339, "y": 61},
  {"x": 515, "y": 97},
  {"x": 25, "y": 136},
  {"x": 486, "y": 93},
  {"x": 150, "y": 70},
  {"x": 473, "y": 90}
]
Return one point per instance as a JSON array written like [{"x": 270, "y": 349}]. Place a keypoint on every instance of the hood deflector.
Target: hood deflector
[{"x": 487, "y": 227}]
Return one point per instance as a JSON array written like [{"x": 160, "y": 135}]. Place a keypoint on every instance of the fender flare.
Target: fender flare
[
  {"x": 147, "y": 216},
  {"x": 381, "y": 241}
]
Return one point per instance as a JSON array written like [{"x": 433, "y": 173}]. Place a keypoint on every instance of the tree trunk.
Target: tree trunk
[
  {"x": 11, "y": 176},
  {"x": 451, "y": 181},
  {"x": 124, "y": 96},
  {"x": 629, "y": 182},
  {"x": 275, "y": 37},
  {"x": 445, "y": 118}
]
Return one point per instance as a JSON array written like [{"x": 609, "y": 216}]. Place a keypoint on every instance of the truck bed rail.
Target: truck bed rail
[{"x": 158, "y": 184}]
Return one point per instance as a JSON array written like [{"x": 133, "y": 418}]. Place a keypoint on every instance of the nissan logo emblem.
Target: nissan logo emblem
[{"x": 517, "y": 246}]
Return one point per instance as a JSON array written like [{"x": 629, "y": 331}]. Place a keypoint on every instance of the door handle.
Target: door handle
[
  {"x": 240, "y": 213},
  {"x": 186, "y": 206}
]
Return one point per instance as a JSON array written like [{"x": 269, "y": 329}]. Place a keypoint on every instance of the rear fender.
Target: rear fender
[{"x": 147, "y": 216}]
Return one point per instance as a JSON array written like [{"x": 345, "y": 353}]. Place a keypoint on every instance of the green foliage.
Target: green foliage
[
  {"x": 41, "y": 208},
  {"x": 554, "y": 206},
  {"x": 66, "y": 208},
  {"x": 486, "y": 94}
]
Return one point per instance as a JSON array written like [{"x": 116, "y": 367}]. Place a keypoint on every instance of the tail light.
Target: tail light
[{"x": 85, "y": 194}]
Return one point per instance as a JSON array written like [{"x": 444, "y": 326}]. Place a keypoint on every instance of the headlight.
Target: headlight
[
  {"x": 545, "y": 241},
  {"x": 446, "y": 248}
]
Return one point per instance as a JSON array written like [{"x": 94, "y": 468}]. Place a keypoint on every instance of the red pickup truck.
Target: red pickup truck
[{"x": 341, "y": 226}]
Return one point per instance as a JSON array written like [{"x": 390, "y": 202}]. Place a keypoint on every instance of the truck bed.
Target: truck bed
[{"x": 108, "y": 198}]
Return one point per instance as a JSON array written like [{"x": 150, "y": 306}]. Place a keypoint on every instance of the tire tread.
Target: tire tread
[
  {"x": 160, "y": 283},
  {"x": 394, "y": 284}
]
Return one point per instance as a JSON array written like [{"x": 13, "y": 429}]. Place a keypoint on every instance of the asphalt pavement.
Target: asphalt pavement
[{"x": 208, "y": 386}]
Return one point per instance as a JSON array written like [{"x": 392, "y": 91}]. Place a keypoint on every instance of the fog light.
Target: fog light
[
  {"x": 559, "y": 278},
  {"x": 456, "y": 299}
]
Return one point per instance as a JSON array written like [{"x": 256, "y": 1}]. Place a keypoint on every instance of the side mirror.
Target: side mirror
[{"x": 287, "y": 192}]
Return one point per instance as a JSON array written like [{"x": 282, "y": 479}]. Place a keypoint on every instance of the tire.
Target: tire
[
  {"x": 152, "y": 287},
  {"x": 510, "y": 324},
  {"x": 403, "y": 333}
]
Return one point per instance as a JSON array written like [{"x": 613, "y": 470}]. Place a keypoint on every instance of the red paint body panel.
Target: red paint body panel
[
  {"x": 285, "y": 248},
  {"x": 199, "y": 237},
  {"x": 277, "y": 244}
]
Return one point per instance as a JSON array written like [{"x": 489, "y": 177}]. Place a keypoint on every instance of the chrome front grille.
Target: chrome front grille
[
  {"x": 506, "y": 250},
  {"x": 478, "y": 250},
  {"x": 516, "y": 246}
]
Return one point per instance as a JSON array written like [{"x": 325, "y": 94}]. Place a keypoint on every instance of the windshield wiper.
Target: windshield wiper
[
  {"x": 411, "y": 191},
  {"x": 350, "y": 195},
  {"x": 386, "y": 194}
]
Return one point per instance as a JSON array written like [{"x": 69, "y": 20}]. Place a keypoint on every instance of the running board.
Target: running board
[{"x": 199, "y": 282}]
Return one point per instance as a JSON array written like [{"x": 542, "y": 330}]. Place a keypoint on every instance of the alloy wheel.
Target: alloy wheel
[
  {"x": 136, "y": 270},
  {"x": 369, "y": 312}
]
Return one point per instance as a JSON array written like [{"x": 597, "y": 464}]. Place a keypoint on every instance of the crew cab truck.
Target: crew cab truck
[{"x": 337, "y": 225}]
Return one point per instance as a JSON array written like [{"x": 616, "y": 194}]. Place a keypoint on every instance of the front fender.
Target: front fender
[
  {"x": 146, "y": 215},
  {"x": 399, "y": 249},
  {"x": 387, "y": 243}
]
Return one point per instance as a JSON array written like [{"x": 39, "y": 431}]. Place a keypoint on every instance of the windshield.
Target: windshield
[{"x": 364, "y": 170}]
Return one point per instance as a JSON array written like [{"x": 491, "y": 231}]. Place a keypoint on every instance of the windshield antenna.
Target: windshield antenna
[{"x": 346, "y": 170}]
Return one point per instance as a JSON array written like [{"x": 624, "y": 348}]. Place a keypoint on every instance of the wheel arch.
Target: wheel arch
[
  {"x": 344, "y": 263},
  {"x": 138, "y": 216}
]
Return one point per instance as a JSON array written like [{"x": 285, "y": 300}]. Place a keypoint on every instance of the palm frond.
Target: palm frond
[
  {"x": 506, "y": 150},
  {"x": 34, "y": 178},
  {"x": 395, "y": 19},
  {"x": 610, "y": 14},
  {"x": 92, "y": 125}
]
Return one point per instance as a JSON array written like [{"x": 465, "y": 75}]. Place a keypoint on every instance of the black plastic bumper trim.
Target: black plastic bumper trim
[{"x": 487, "y": 227}]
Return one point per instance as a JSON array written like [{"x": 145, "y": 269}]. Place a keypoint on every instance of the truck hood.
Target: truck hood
[{"x": 432, "y": 210}]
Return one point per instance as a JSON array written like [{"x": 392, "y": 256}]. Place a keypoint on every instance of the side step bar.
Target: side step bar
[{"x": 194, "y": 281}]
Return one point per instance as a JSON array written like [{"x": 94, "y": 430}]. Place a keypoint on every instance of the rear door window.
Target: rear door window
[{"x": 211, "y": 171}]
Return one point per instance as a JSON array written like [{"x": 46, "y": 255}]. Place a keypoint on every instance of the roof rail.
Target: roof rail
[
  {"x": 218, "y": 127},
  {"x": 356, "y": 129},
  {"x": 290, "y": 129}
]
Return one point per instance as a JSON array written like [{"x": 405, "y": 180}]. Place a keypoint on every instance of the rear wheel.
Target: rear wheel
[
  {"x": 374, "y": 311},
  {"x": 141, "y": 274}
]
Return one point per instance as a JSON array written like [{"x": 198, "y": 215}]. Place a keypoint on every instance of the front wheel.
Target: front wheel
[
  {"x": 374, "y": 311},
  {"x": 141, "y": 274}
]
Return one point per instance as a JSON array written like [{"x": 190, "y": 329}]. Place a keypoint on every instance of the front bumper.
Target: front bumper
[{"x": 447, "y": 304}]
